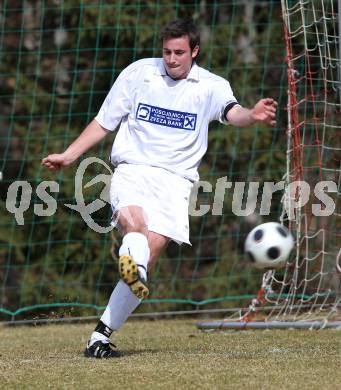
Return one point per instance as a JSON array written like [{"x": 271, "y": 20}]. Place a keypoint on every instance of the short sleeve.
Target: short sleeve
[
  {"x": 117, "y": 103},
  {"x": 222, "y": 97}
]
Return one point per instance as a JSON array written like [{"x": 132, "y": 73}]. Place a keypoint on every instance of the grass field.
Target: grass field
[{"x": 170, "y": 354}]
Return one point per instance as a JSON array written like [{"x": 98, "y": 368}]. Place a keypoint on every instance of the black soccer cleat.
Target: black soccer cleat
[
  {"x": 101, "y": 350},
  {"x": 128, "y": 270}
]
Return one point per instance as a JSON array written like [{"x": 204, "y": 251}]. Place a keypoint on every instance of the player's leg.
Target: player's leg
[
  {"x": 123, "y": 301},
  {"x": 154, "y": 190},
  {"x": 157, "y": 243},
  {"x": 138, "y": 255}
]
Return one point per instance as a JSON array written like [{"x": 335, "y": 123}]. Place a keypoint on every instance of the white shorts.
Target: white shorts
[{"x": 164, "y": 197}]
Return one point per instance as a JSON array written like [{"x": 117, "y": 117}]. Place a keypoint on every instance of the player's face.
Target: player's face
[{"x": 178, "y": 56}]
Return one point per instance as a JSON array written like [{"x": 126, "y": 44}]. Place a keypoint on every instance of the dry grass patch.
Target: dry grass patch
[{"x": 171, "y": 354}]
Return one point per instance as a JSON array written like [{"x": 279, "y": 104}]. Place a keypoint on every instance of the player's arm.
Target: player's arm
[
  {"x": 90, "y": 136},
  {"x": 264, "y": 111}
]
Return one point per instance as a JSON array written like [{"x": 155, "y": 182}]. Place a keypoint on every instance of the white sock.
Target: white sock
[
  {"x": 136, "y": 245},
  {"x": 95, "y": 336},
  {"x": 121, "y": 304}
]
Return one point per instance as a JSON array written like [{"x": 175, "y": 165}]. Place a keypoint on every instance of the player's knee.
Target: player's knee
[
  {"x": 132, "y": 219},
  {"x": 136, "y": 228}
]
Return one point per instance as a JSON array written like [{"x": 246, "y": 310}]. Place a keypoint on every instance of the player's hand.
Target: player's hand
[
  {"x": 264, "y": 111},
  {"x": 54, "y": 162}
]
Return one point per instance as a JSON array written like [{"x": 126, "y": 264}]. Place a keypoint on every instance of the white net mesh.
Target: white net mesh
[
  {"x": 307, "y": 292},
  {"x": 309, "y": 288}
]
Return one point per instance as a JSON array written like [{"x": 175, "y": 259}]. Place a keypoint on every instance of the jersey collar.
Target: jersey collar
[{"x": 194, "y": 72}]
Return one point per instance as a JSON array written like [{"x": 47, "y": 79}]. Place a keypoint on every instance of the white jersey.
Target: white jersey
[{"x": 164, "y": 122}]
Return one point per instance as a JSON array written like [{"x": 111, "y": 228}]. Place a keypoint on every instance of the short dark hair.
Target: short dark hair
[{"x": 178, "y": 28}]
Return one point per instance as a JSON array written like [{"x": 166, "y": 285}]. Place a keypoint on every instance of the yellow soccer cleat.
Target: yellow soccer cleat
[{"x": 128, "y": 271}]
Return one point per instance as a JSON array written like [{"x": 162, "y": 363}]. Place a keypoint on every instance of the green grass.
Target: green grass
[{"x": 170, "y": 354}]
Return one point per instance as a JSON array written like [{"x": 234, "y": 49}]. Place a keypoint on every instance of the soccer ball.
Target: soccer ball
[{"x": 269, "y": 245}]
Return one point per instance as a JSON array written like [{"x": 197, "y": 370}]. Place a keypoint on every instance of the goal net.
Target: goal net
[{"x": 307, "y": 292}]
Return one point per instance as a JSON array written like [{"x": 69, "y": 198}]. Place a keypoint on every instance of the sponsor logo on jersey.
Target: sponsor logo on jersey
[{"x": 164, "y": 117}]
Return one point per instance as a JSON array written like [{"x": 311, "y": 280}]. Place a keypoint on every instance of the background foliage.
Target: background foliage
[{"x": 58, "y": 61}]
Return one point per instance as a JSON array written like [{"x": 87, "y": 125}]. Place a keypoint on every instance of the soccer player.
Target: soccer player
[{"x": 163, "y": 107}]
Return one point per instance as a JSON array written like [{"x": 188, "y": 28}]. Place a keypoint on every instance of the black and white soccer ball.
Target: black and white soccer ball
[{"x": 269, "y": 245}]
